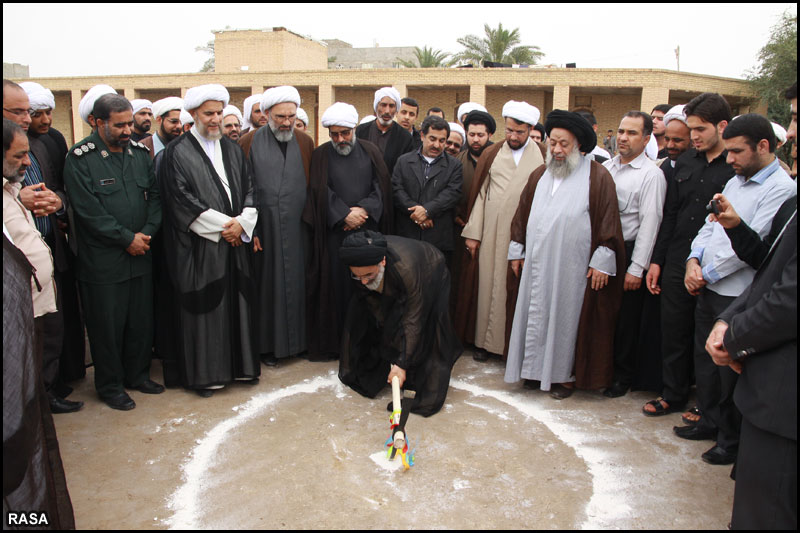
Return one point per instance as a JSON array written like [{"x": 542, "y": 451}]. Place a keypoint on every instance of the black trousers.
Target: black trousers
[
  {"x": 715, "y": 384},
  {"x": 677, "y": 334},
  {"x": 765, "y": 496},
  {"x": 626, "y": 336}
]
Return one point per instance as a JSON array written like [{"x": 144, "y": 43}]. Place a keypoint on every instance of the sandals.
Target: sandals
[
  {"x": 693, "y": 411},
  {"x": 660, "y": 410}
]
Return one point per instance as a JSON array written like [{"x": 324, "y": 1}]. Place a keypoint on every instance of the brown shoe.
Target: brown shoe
[{"x": 560, "y": 392}]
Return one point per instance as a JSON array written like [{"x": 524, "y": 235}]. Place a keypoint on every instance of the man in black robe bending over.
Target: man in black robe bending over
[{"x": 398, "y": 322}]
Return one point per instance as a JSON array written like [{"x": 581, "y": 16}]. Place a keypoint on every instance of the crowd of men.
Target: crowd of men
[{"x": 223, "y": 239}]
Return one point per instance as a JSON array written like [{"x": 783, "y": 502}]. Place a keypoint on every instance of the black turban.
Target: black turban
[
  {"x": 363, "y": 248},
  {"x": 579, "y": 126},
  {"x": 480, "y": 117}
]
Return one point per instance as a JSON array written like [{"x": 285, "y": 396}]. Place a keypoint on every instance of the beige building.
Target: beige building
[
  {"x": 250, "y": 61},
  {"x": 608, "y": 93}
]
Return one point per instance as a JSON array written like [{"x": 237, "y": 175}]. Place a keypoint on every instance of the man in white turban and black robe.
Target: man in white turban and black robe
[
  {"x": 398, "y": 322},
  {"x": 280, "y": 158},
  {"x": 349, "y": 189},
  {"x": 390, "y": 138},
  {"x": 209, "y": 212}
]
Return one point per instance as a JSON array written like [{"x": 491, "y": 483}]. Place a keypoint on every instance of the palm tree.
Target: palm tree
[
  {"x": 426, "y": 57},
  {"x": 500, "y": 46}
]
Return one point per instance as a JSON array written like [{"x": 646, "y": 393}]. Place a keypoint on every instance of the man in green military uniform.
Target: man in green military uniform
[{"x": 116, "y": 208}]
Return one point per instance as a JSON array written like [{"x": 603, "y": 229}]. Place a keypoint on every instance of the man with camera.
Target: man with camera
[{"x": 717, "y": 276}]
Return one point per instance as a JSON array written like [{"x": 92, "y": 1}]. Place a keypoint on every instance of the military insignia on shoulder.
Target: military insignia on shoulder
[
  {"x": 77, "y": 151},
  {"x": 104, "y": 153},
  {"x": 91, "y": 146},
  {"x": 84, "y": 148}
]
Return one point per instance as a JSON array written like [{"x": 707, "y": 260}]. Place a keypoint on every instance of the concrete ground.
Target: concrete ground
[{"x": 300, "y": 450}]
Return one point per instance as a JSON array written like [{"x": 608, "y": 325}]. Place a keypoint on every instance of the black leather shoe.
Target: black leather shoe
[
  {"x": 121, "y": 402},
  {"x": 60, "y": 405},
  {"x": 205, "y": 393},
  {"x": 719, "y": 456},
  {"x": 615, "y": 391},
  {"x": 532, "y": 384},
  {"x": 150, "y": 387},
  {"x": 269, "y": 359},
  {"x": 695, "y": 432},
  {"x": 480, "y": 355},
  {"x": 560, "y": 392}
]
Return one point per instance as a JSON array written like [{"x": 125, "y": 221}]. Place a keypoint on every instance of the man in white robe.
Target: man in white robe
[
  {"x": 565, "y": 241},
  {"x": 501, "y": 174}
]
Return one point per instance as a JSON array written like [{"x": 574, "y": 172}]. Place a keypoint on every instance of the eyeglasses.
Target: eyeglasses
[
  {"x": 514, "y": 133},
  {"x": 20, "y": 112}
]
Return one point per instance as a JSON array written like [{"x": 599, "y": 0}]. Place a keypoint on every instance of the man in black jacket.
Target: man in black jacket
[
  {"x": 427, "y": 187},
  {"x": 757, "y": 337}
]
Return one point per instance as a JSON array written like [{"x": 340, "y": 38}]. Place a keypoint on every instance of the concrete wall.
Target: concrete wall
[{"x": 262, "y": 50}]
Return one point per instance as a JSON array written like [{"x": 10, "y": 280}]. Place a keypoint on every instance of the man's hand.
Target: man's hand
[
  {"x": 428, "y": 224},
  {"x": 651, "y": 280},
  {"x": 356, "y": 218},
  {"x": 232, "y": 232},
  {"x": 460, "y": 221},
  {"x": 399, "y": 372},
  {"x": 599, "y": 279},
  {"x": 40, "y": 200},
  {"x": 139, "y": 245},
  {"x": 715, "y": 347},
  {"x": 728, "y": 217},
  {"x": 472, "y": 247},
  {"x": 418, "y": 214},
  {"x": 693, "y": 280},
  {"x": 257, "y": 245},
  {"x": 632, "y": 283},
  {"x": 516, "y": 266}
]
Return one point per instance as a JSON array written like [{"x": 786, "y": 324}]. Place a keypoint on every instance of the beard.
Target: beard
[
  {"x": 477, "y": 154},
  {"x": 562, "y": 169},
  {"x": 344, "y": 148},
  {"x": 376, "y": 283},
  {"x": 13, "y": 175},
  {"x": 282, "y": 135},
  {"x": 383, "y": 122},
  {"x": 118, "y": 142},
  {"x": 201, "y": 129}
]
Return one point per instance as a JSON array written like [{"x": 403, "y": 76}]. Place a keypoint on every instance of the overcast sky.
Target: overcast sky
[{"x": 98, "y": 39}]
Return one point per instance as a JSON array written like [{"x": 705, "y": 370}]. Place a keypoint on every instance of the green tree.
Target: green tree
[
  {"x": 499, "y": 45},
  {"x": 777, "y": 68},
  {"x": 426, "y": 58},
  {"x": 208, "y": 66}
]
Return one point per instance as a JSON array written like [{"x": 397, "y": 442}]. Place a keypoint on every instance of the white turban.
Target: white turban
[
  {"x": 86, "y": 107},
  {"x": 140, "y": 104},
  {"x": 466, "y": 107},
  {"x": 458, "y": 129},
  {"x": 391, "y": 92},
  {"x": 165, "y": 105},
  {"x": 651, "y": 150},
  {"x": 302, "y": 116},
  {"x": 676, "y": 113},
  {"x": 249, "y": 102},
  {"x": 231, "y": 109},
  {"x": 340, "y": 114},
  {"x": 197, "y": 96},
  {"x": 521, "y": 112},
  {"x": 780, "y": 133},
  {"x": 279, "y": 95},
  {"x": 368, "y": 118},
  {"x": 39, "y": 97},
  {"x": 186, "y": 118}
]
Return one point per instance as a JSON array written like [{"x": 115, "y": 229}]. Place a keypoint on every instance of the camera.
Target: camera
[{"x": 713, "y": 207}]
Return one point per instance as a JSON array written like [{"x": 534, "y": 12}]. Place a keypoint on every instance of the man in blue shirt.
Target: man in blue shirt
[{"x": 718, "y": 276}]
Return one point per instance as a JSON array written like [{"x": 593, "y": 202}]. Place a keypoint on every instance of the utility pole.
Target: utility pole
[{"x": 678, "y": 56}]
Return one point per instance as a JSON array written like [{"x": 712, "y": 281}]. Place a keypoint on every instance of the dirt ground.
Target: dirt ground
[{"x": 300, "y": 450}]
